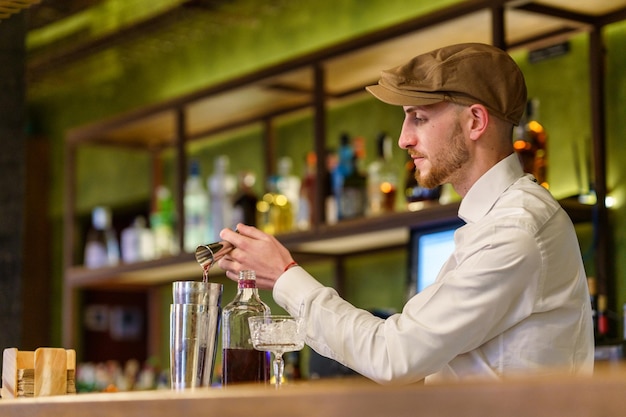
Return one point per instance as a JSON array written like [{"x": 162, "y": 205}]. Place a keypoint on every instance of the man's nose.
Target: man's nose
[{"x": 405, "y": 141}]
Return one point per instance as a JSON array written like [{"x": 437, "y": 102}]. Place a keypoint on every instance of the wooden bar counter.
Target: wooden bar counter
[{"x": 601, "y": 395}]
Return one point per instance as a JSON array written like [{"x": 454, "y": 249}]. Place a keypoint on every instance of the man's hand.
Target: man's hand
[{"x": 254, "y": 250}]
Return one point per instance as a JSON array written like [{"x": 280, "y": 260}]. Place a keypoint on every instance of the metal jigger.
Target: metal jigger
[{"x": 206, "y": 255}]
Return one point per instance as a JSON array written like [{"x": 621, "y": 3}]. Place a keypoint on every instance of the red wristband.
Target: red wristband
[{"x": 289, "y": 265}]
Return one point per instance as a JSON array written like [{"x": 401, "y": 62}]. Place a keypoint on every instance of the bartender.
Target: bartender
[{"x": 511, "y": 300}]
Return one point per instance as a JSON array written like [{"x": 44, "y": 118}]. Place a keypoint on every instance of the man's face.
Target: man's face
[{"x": 435, "y": 141}]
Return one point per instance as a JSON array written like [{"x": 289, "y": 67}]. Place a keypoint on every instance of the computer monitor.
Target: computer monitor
[{"x": 430, "y": 247}]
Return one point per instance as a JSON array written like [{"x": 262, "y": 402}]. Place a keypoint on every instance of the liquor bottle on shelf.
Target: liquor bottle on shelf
[
  {"x": 137, "y": 242},
  {"x": 196, "y": 203},
  {"x": 603, "y": 319},
  {"x": 102, "y": 246},
  {"x": 345, "y": 155},
  {"x": 306, "y": 205},
  {"x": 353, "y": 196},
  {"x": 329, "y": 181},
  {"x": 241, "y": 362},
  {"x": 358, "y": 146},
  {"x": 593, "y": 298},
  {"x": 414, "y": 193},
  {"x": 350, "y": 182},
  {"x": 222, "y": 186},
  {"x": 289, "y": 185},
  {"x": 382, "y": 179},
  {"x": 245, "y": 201},
  {"x": 162, "y": 223},
  {"x": 274, "y": 212},
  {"x": 530, "y": 143},
  {"x": 340, "y": 170}
]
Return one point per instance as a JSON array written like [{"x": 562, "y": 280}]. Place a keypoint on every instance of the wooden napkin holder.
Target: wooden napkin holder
[{"x": 44, "y": 372}]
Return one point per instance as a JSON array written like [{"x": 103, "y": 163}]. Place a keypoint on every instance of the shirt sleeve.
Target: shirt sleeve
[{"x": 486, "y": 287}]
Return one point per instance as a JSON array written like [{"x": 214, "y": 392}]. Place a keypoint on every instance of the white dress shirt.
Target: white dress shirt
[{"x": 511, "y": 300}]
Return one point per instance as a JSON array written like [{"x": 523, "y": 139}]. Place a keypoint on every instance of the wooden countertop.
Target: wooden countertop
[{"x": 601, "y": 395}]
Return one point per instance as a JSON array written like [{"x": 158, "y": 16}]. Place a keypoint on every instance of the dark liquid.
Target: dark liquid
[
  {"x": 389, "y": 200},
  {"x": 205, "y": 274},
  {"x": 245, "y": 365}
]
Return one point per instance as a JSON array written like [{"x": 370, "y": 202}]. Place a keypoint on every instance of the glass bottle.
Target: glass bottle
[
  {"x": 241, "y": 362},
  {"x": 222, "y": 186},
  {"x": 530, "y": 143},
  {"x": 593, "y": 296},
  {"x": 353, "y": 196},
  {"x": 102, "y": 247},
  {"x": 603, "y": 319},
  {"x": 414, "y": 193},
  {"x": 137, "y": 242},
  {"x": 289, "y": 185},
  {"x": 162, "y": 223},
  {"x": 353, "y": 189},
  {"x": 244, "y": 206},
  {"x": 306, "y": 207},
  {"x": 382, "y": 179},
  {"x": 196, "y": 202},
  {"x": 274, "y": 212}
]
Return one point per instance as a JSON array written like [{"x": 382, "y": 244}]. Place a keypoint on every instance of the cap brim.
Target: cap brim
[{"x": 404, "y": 98}]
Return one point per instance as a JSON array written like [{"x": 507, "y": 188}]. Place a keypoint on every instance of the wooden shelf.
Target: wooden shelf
[{"x": 344, "y": 238}]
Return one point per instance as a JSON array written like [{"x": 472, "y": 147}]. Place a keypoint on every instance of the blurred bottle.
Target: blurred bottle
[
  {"x": 414, "y": 193},
  {"x": 306, "y": 208},
  {"x": 341, "y": 169},
  {"x": 274, "y": 212},
  {"x": 593, "y": 298},
  {"x": 162, "y": 223},
  {"x": 350, "y": 182},
  {"x": 382, "y": 179},
  {"x": 241, "y": 362},
  {"x": 244, "y": 207},
  {"x": 289, "y": 185},
  {"x": 328, "y": 180},
  {"x": 222, "y": 187},
  {"x": 137, "y": 242},
  {"x": 196, "y": 202},
  {"x": 603, "y": 319},
  {"x": 102, "y": 247},
  {"x": 530, "y": 143},
  {"x": 358, "y": 146}
]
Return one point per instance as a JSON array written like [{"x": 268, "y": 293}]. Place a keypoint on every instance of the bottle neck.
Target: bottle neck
[
  {"x": 246, "y": 284},
  {"x": 246, "y": 287}
]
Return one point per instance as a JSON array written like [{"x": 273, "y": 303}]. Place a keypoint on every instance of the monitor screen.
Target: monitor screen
[{"x": 430, "y": 248}]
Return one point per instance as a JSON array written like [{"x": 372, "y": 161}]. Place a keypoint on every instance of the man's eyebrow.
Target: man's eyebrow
[{"x": 411, "y": 109}]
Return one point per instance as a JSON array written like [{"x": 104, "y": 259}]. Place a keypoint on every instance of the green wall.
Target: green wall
[{"x": 113, "y": 82}]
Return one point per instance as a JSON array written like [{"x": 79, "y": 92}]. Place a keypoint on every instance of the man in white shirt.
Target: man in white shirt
[{"x": 511, "y": 300}]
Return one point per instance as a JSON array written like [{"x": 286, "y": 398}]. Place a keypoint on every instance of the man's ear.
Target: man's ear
[{"x": 479, "y": 120}]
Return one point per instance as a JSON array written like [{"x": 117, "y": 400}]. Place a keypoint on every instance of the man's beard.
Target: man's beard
[{"x": 447, "y": 163}]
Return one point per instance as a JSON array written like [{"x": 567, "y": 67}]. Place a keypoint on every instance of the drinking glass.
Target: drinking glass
[{"x": 277, "y": 334}]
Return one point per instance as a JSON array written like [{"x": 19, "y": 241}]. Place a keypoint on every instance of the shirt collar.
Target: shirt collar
[{"x": 484, "y": 193}]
